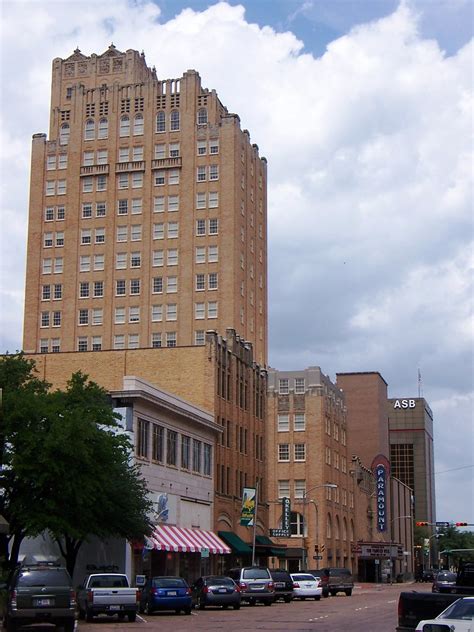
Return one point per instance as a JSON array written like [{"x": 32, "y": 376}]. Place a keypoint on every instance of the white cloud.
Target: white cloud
[{"x": 370, "y": 190}]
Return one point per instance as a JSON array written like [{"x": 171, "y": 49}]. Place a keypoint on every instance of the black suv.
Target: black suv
[
  {"x": 40, "y": 593},
  {"x": 283, "y": 584}
]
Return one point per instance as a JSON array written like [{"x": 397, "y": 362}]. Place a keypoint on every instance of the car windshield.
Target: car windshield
[
  {"x": 256, "y": 573},
  {"x": 462, "y": 609},
  {"x": 57, "y": 577},
  {"x": 109, "y": 581},
  {"x": 168, "y": 582},
  {"x": 219, "y": 581},
  {"x": 304, "y": 577},
  {"x": 278, "y": 575}
]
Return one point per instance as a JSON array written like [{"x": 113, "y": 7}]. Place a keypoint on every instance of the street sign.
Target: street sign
[
  {"x": 317, "y": 557},
  {"x": 442, "y": 524},
  {"x": 285, "y": 513},
  {"x": 279, "y": 533}
]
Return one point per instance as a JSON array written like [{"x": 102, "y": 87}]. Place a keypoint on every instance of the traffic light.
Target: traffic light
[
  {"x": 461, "y": 524},
  {"x": 422, "y": 524}
]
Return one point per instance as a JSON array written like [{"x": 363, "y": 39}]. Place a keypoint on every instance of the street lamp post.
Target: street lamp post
[
  {"x": 391, "y": 541},
  {"x": 305, "y": 501}
]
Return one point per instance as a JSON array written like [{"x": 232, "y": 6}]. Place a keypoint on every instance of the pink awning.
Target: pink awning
[{"x": 170, "y": 538}]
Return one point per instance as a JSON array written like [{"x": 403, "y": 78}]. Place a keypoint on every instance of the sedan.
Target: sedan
[
  {"x": 459, "y": 616},
  {"x": 306, "y": 586},
  {"x": 444, "y": 581},
  {"x": 216, "y": 590},
  {"x": 166, "y": 593}
]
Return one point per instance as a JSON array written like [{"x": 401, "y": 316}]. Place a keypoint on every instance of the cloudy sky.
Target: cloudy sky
[{"x": 363, "y": 109}]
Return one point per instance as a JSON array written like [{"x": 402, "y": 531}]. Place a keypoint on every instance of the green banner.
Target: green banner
[{"x": 248, "y": 507}]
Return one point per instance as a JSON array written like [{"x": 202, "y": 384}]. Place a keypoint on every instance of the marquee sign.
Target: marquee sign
[
  {"x": 404, "y": 403},
  {"x": 381, "y": 470}
]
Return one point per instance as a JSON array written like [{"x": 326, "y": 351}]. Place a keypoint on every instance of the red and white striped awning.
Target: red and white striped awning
[{"x": 170, "y": 538}]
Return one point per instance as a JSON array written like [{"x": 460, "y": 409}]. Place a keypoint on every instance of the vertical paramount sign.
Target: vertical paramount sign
[{"x": 381, "y": 471}]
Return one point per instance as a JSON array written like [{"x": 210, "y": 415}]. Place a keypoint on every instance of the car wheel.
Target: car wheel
[
  {"x": 69, "y": 626},
  {"x": 225, "y": 606},
  {"x": 349, "y": 592},
  {"x": 89, "y": 615},
  {"x": 267, "y": 603},
  {"x": 187, "y": 611},
  {"x": 317, "y": 598},
  {"x": 121, "y": 616},
  {"x": 333, "y": 593},
  {"x": 325, "y": 595},
  {"x": 237, "y": 606},
  {"x": 287, "y": 599},
  {"x": 252, "y": 602},
  {"x": 132, "y": 617}
]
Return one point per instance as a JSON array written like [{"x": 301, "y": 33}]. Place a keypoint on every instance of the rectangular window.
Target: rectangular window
[
  {"x": 158, "y": 443},
  {"x": 159, "y": 178},
  {"x": 96, "y": 343},
  {"x": 213, "y": 226},
  {"x": 171, "y": 447},
  {"x": 201, "y": 254},
  {"x": 157, "y": 285},
  {"x": 133, "y": 341},
  {"x": 199, "y": 311},
  {"x": 122, "y": 207},
  {"x": 135, "y": 260},
  {"x": 101, "y": 183},
  {"x": 207, "y": 459},
  {"x": 136, "y": 232},
  {"x": 123, "y": 154},
  {"x": 84, "y": 289},
  {"x": 283, "y": 386},
  {"x": 299, "y": 385},
  {"x": 173, "y": 230},
  {"x": 61, "y": 190},
  {"x": 47, "y": 266},
  {"x": 172, "y": 258},
  {"x": 136, "y": 206},
  {"x": 122, "y": 181},
  {"x": 160, "y": 151},
  {"x": 121, "y": 261},
  {"x": 46, "y": 293},
  {"x": 157, "y": 258},
  {"x": 48, "y": 240},
  {"x": 44, "y": 319},
  {"x": 100, "y": 235},
  {"x": 134, "y": 286},
  {"x": 201, "y": 174},
  {"x": 88, "y": 184},
  {"x": 58, "y": 265},
  {"x": 171, "y": 339},
  {"x": 50, "y": 187},
  {"x": 174, "y": 150},
  {"x": 173, "y": 203},
  {"x": 214, "y": 146},
  {"x": 156, "y": 341},
  {"x": 212, "y": 281},
  {"x": 49, "y": 214},
  {"x": 173, "y": 176},
  {"x": 300, "y": 488},
  {"x": 122, "y": 233},
  {"x": 159, "y": 204},
  {"x": 134, "y": 314},
  {"x": 212, "y": 309},
  {"x": 283, "y": 422},
  {"x": 86, "y": 210},
  {"x": 300, "y": 451},
  {"x": 119, "y": 316},
  {"x": 100, "y": 209},
  {"x": 201, "y": 147},
  {"x": 283, "y": 489},
  {"x": 200, "y": 200},
  {"x": 102, "y": 157},
  {"x": 44, "y": 345},
  {"x": 196, "y": 455},
  {"x": 171, "y": 311},
  {"x": 213, "y": 172},
  {"x": 213, "y": 254},
  {"x": 185, "y": 452},
  {"x": 283, "y": 452},
  {"x": 82, "y": 343},
  {"x": 300, "y": 422},
  {"x": 137, "y": 180},
  {"x": 83, "y": 317},
  {"x": 200, "y": 227},
  {"x": 172, "y": 284},
  {"x": 119, "y": 341},
  {"x": 142, "y": 437},
  {"x": 199, "y": 337},
  {"x": 156, "y": 313},
  {"x": 98, "y": 289},
  {"x": 50, "y": 163},
  {"x": 86, "y": 236},
  {"x": 120, "y": 287},
  {"x": 97, "y": 316},
  {"x": 137, "y": 153},
  {"x": 213, "y": 199},
  {"x": 88, "y": 158},
  {"x": 158, "y": 231},
  {"x": 200, "y": 282}
]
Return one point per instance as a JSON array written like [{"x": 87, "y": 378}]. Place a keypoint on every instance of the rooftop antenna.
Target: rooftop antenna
[{"x": 420, "y": 385}]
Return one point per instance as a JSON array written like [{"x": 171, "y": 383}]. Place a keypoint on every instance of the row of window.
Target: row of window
[
  {"x": 56, "y": 162},
  {"x": 97, "y": 262},
  {"x": 299, "y": 422},
  {"x": 169, "y": 447},
  {"x": 299, "y": 452},
  {"x": 299, "y": 529},
  {"x": 56, "y": 187},
  {"x": 298, "y": 385}
]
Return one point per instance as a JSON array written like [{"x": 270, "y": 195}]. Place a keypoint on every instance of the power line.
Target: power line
[{"x": 464, "y": 467}]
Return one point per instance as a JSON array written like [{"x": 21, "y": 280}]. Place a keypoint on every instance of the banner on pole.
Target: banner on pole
[{"x": 248, "y": 507}]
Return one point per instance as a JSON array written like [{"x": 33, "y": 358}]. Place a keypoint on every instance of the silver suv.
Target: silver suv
[{"x": 256, "y": 584}]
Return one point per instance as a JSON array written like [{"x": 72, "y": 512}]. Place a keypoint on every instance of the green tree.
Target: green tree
[
  {"x": 74, "y": 471},
  {"x": 453, "y": 540}
]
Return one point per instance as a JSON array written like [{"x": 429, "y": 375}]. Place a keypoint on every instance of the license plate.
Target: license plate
[
  {"x": 172, "y": 593},
  {"x": 42, "y": 603},
  {"x": 258, "y": 587},
  {"x": 222, "y": 590},
  {"x": 308, "y": 585},
  {"x": 279, "y": 585},
  {"x": 115, "y": 607}
]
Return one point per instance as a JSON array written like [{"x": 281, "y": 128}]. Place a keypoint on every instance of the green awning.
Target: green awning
[
  {"x": 236, "y": 544},
  {"x": 273, "y": 549}
]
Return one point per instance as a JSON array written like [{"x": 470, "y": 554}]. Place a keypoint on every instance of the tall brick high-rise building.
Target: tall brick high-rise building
[{"x": 148, "y": 214}]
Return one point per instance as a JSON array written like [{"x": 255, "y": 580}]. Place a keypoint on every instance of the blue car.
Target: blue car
[{"x": 166, "y": 593}]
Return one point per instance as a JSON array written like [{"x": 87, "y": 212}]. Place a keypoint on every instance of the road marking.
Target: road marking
[
  {"x": 392, "y": 601},
  {"x": 141, "y": 619}
]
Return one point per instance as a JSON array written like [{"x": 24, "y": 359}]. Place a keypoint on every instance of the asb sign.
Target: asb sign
[
  {"x": 381, "y": 471},
  {"x": 404, "y": 403}
]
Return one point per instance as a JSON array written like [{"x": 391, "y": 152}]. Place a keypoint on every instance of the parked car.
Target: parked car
[
  {"x": 306, "y": 586},
  {"x": 428, "y": 575},
  {"x": 256, "y": 584},
  {"x": 334, "y": 580},
  {"x": 458, "y": 616},
  {"x": 216, "y": 590},
  {"x": 40, "y": 593},
  {"x": 166, "y": 593},
  {"x": 107, "y": 593},
  {"x": 283, "y": 584},
  {"x": 445, "y": 580}
]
